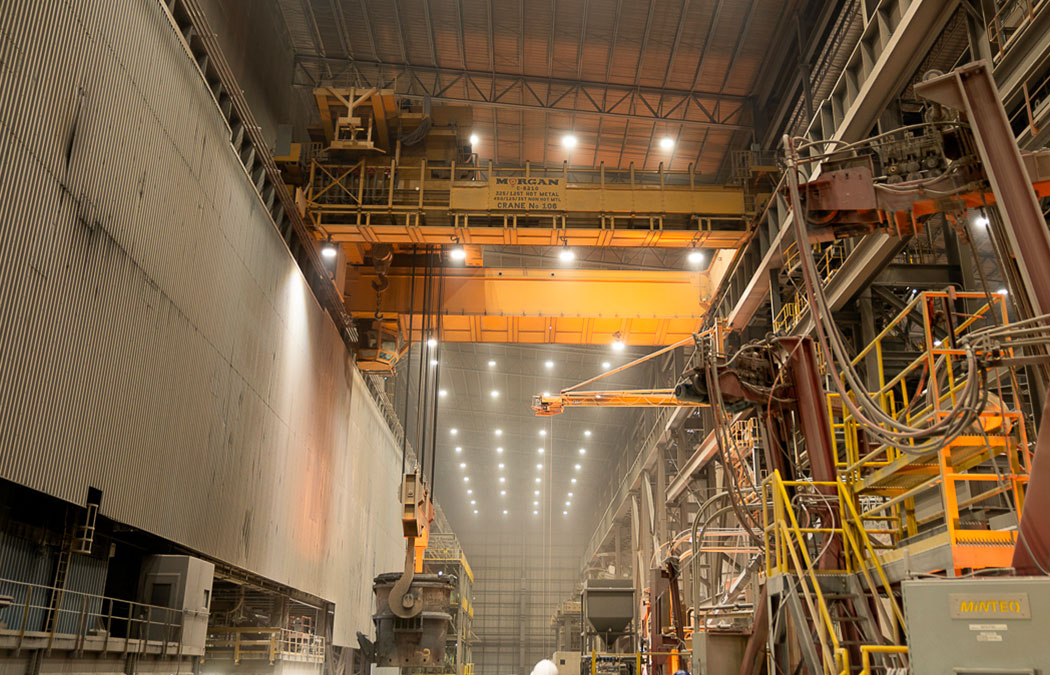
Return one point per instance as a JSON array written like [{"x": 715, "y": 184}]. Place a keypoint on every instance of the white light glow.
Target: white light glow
[
  {"x": 549, "y": 364},
  {"x": 543, "y": 432},
  {"x": 577, "y": 467},
  {"x": 499, "y": 450},
  {"x": 502, "y": 493},
  {"x": 505, "y": 512},
  {"x": 503, "y": 479},
  {"x": 535, "y": 503},
  {"x": 981, "y": 221},
  {"x": 568, "y": 141},
  {"x": 466, "y": 479},
  {"x": 535, "y": 513},
  {"x": 474, "y": 139},
  {"x": 583, "y": 451},
  {"x": 498, "y": 432},
  {"x": 695, "y": 257},
  {"x": 329, "y": 250},
  {"x": 492, "y": 364},
  {"x": 587, "y": 432},
  {"x": 501, "y": 465},
  {"x": 606, "y": 365},
  {"x": 566, "y": 255},
  {"x": 537, "y": 480},
  {"x": 617, "y": 345},
  {"x": 666, "y": 143},
  {"x": 494, "y": 394},
  {"x": 442, "y": 393},
  {"x": 564, "y": 513},
  {"x": 536, "y": 492},
  {"x": 475, "y": 512},
  {"x": 462, "y": 465},
  {"x": 432, "y": 342},
  {"x": 1003, "y": 291},
  {"x": 546, "y": 393},
  {"x": 573, "y": 481},
  {"x": 470, "y": 492},
  {"x": 433, "y": 362},
  {"x": 459, "y": 449},
  {"x": 539, "y": 466},
  {"x": 473, "y": 502},
  {"x": 568, "y": 503},
  {"x": 570, "y": 494},
  {"x": 453, "y": 431},
  {"x": 457, "y": 254},
  {"x": 539, "y": 450}
]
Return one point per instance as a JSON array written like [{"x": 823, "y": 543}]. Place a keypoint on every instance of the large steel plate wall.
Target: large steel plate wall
[{"x": 157, "y": 340}]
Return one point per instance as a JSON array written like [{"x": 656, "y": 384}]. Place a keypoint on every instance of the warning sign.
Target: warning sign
[{"x": 526, "y": 194}]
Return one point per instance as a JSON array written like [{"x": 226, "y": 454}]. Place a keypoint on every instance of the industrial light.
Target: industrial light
[
  {"x": 504, "y": 511},
  {"x": 459, "y": 449},
  {"x": 570, "y": 494},
  {"x": 606, "y": 365},
  {"x": 546, "y": 393},
  {"x": 535, "y": 503},
  {"x": 568, "y": 141},
  {"x": 695, "y": 257},
  {"x": 549, "y": 364},
  {"x": 503, "y": 479},
  {"x": 499, "y": 432},
  {"x": 617, "y": 345},
  {"x": 536, "y": 492},
  {"x": 587, "y": 432},
  {"x": 432, "y": 342},
  {"x": 564, "y": 513},
  {"x": 566, "y": 255},
  {"x": 539, "y": 450},
  {"x": 543, "y": 432},
  {"x": 537, "y": 480},
  {"x": 328, "y": 250},
  {"x": 573, "y": 481},
  {"x": 535, "y": 513},
  {"x": 937, "y": 343},
  {"x": 499, "y": 450},
  {"x": 501, "y": 465},
  {"x": 473, "y": 502},
  {"x": 457, "y": 254},
  {"x": 578, "y": 467},
  {"x": 475, "y": 512},
  {"x": 442, "y": 393},
  {"x": 494, "y": 393},
  {"x": 433, "y": 362},
  {"x": 981, "y": 221},
  {"x": 453, "y": 431},
  {"x": 666, "y": 143},
  {"x": 492, "y": 364},
  {"x": 502, "y": 493},
  {"x": 470, "y": 492},
  {"x": 568, "y": 503},
  {"x": 462, "y": 465},
  {"x": 474, "y": 139},
  {"x": 466, "y": 479},
  {"x": 539, "y": 466},
  {"x": 1003, "y": 291},
  {"x": 583, "y": 451}
]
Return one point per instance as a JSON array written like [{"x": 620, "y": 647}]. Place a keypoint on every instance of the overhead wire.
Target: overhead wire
[{"x": 408, "y": 373}]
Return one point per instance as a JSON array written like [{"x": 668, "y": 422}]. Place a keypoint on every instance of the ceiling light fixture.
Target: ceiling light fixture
[
  {"x": 459, "y": 449},
  {"x": 432, "y": 342},
  {"x": 666, "y": 143},
  {"x": 587, "y": 432},
  {"x": 503, "y": 479},
  {"x": 499, "y": 450},
  {"x": 1003, "y": 291},
  {"x": 470, "y": 492},
  {"x": 568, "y": 141},
  {"x": 573, "y": 481},
  {"x": 535, "y": 513},
  {"x": 606, "y": 365},
  {"x": 539, "y": 466},
  {"x": 473, "y": 502},
  {"x": 501, "y": 465},
  {"x": 329, "y": 250},
  {"x": 578, "y": 467},
  {"x": 564, "y": 513},
  {"x": 981, "y": 221},
  {"x": 566, "y": 255},
  {"x": 462, "y": 465},
  {"x": 504, "y": 511},
  {"x": 583, "y": 451},
  {"x": 570, "y": 494},
  {"x": 537, "y": 480},
  {"x": 453, "y": 431},
  {"x": 474, "y": 139},
  {"x": 492, "y": 364},
  {"x": 695, "y": 257},
  {"x": 543, "y": 432},
  {"x": 433, "y": 362},
  {"x": 442, "y": 393},
  {"x": 502, "y": 493},
  {"x": 458, "y": 254},
  {"x": 539, "y": 450},
  {"x": 475, "y": 512},
  {"x": 466, "y": 479},
  {"x": 549, "y": 364},
  {"x": 536, "y": 492},
  {"x": 494, "y": 393},
  {"x": 546, "y": 393},
  {"x": 499, "y": 432}
]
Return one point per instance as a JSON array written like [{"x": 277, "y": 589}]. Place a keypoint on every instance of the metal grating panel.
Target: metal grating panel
[{"x": 157, "y": 340}]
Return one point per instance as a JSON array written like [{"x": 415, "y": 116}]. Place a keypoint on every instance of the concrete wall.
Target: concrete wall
[{"x": 156, "y": 339}]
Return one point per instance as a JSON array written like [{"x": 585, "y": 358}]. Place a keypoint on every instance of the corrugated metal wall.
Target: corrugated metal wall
[{"x": 157, "y": 341}]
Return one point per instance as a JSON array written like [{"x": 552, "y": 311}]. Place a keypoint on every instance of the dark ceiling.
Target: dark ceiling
[{"x": 619, "y": 74}]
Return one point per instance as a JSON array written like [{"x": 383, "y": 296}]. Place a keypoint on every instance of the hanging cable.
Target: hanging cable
[
  {"x": 424, "y": 360},
  {"x": 437, "y": 377},
  {"x": 408, "y": 373}
]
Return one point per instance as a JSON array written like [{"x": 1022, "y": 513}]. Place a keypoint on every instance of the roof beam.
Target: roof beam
[{"x": 513, "y": 90}]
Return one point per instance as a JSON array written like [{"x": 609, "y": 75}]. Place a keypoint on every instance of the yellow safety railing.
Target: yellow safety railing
[
  {"x": 829, "y": 260},
  {"x": 918, "y": 393},
  {"x": 787, "y": 552}
]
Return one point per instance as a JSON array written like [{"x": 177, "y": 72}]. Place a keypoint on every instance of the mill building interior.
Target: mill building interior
[{"x": 498, "y": 337}]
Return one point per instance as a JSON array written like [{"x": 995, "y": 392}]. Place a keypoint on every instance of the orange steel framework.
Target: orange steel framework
[
  {"x": 539, "y": 306},
  {"x": 419, "y": 203}
]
